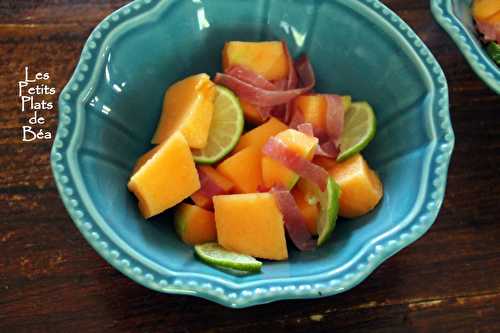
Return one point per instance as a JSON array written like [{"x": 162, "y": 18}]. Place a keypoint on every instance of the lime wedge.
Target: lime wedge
[
  {"x": 328, "y": 204},
  {"x": 359, "y": 129},
  {"x": 494, "y": 52},
  {"x": 215, "y": 255},
  {"x": 225, "y": 129}
]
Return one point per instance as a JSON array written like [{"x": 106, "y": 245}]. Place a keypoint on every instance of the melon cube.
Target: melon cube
[
  {"x": 360, "y": 187},
  {"x": 244, "y": 170},
  {"x": 265, "y": 58},
  {"x": 259, "y": 135},
  {"x": 194, "y": 225},
  {"x": 484, "y": 9},
  {"x": 251, "y": 224},
  {"x": 188, "y": 108},
  {"x": 144, "y": 158},
  {"x": 166, "y": 178},
  {"x": 251, "y": 113},
  {"x": 314, "y": 108},
  {"x": 276, "y": 174}
]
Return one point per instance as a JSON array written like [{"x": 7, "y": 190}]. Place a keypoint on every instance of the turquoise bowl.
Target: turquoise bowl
[
  {"x": 456, "y": 18},
  {"x": 109, "y": 109}
]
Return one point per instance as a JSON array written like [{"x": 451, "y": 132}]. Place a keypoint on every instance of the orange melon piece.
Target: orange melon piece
[
  {"x": 265, "y": 58},
  {"x": 144, "y": 158},
  {"x": 360, "y": 187},
  {"x": 309, "y": 212},
  {"x": 195, "y": 225},
  {"x": 243, "y": 169},
  {"x": 251, "y": 224},
  {"x": 483, "y": 9},
  {"x": 314, "y": 108},
  {"x": 167, "y": 178},
  {"x": 494, "y": 20},
  {"x": 188, "y": 108},
  {"x": 258, "y": 136},
  {"x": 276, "y": 174},
  {"x": 251, "y": 113},
  {"x": 225, "y": 184}
]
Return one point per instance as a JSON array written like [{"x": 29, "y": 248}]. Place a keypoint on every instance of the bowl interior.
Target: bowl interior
[{"x": 352, "y": 53}]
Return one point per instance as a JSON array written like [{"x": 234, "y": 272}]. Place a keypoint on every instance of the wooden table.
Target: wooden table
[{"x": 52, "y": 280}]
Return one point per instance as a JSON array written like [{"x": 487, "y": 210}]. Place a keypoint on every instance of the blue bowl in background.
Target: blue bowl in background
[
  {"x": 110, "y": 107},
  {"x": 455, "y": 16}
]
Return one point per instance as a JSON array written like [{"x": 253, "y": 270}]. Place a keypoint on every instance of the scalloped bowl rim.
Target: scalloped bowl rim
[
  {"x": 151, "y": 275},
  {"x": 476, "y": 56}
]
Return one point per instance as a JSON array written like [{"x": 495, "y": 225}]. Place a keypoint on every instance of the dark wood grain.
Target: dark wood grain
[{"x": 51, "y": 280}]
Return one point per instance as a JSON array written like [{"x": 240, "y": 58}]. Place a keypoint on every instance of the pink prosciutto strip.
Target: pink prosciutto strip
[
  {"x": 335, "y": 123},
  {"x": 281, "y": 84},
  {"x": 329, "y": 141},
  {"x": 306, "y": 128},
  {"x": 328, "y": 149},
  {"x": 297, "y": 118},
  {"x": 334, "y": 117},
  {"x": 209, "y": 188},
  {"x": 264, "y": 97},
  {"x": 491, "y": 31},
  {"x": 250, "y": 77},
  {"x": 294, "y": 221},
  {"x": 292, "y": 79},
  {"x": 278, "y": 151},
  {"x": 256, "y": 80},
  {"x": 305, "y": 72}
]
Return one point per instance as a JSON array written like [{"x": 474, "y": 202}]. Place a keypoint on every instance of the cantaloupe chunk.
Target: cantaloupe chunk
[
  {"x": 276, "y": 174},
  {"x": 310, "y": 212},
  {"x": 259, "y": 135},
  {"x": 314, "y": 108},
  {"x": 167, "y": 178},
  {"x": 243, "y": 169},
  {"x": 251, "y": 114},
  {"x": 483, "y": 9},
  {"x": 265, "y": 58},
  {"x": 144, "y": 158},
  {"x": 251, "y": 224},
  {"x": 494, "y": 20},
  {"x": 194, "y": 225},
  {"x": 360, "y": 187},
  {"x": 225, "y": 184},
  {"x": 188, "y": 108}
]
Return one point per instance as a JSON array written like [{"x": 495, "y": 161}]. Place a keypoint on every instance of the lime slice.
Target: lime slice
[
  {"x": 494, "y": 52},
  {"x": 328, "y": 203},
  {"x": 215, "y": 255},
  {"x": 359, "y": 129},
  {"x": 225, "y": 129}
]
